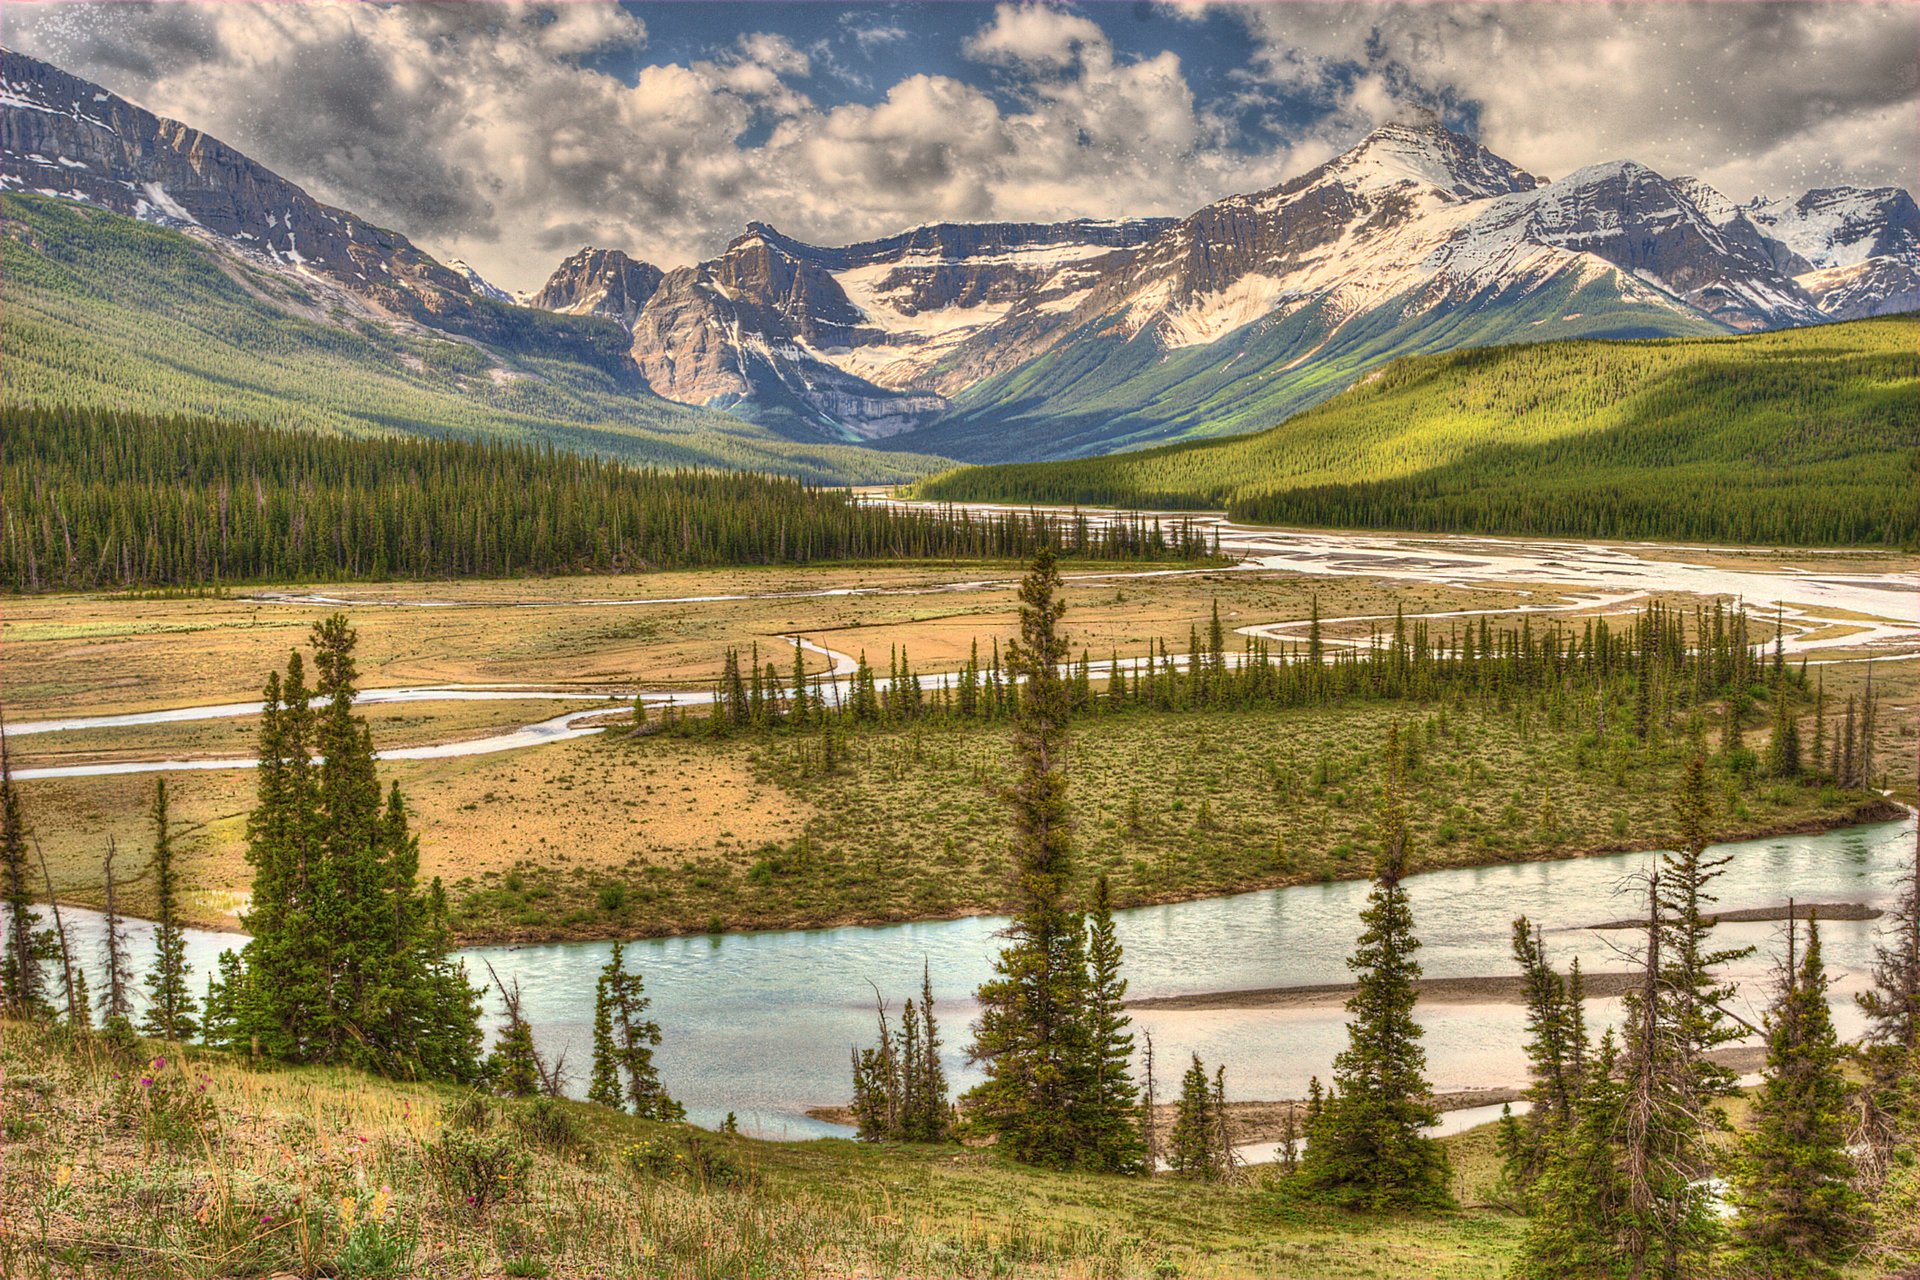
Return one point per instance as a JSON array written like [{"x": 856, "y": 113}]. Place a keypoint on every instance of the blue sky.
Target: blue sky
[{"x": 512, "y": 134}]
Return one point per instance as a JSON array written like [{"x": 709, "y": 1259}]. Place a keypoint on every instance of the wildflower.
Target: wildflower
[
  {"x": 63, "y": 1176},
  {"x": 146, "y": 1082},
  {"x": 160, "y": 1063},
  {"x": 349, "y": 1209},
  {"x": 380, "y": 1201}
]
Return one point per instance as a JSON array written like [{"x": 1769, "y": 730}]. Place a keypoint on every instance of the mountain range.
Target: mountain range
[{"x": 1012, "y": 341}]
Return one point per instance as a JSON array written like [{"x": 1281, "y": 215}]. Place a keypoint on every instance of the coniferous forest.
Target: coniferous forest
[
  {"x": 96, "y": 499},
  {"x": 1805, "y": 436}
]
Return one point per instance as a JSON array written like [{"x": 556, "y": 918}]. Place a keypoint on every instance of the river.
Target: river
[{"x": 760, "y": 1024}]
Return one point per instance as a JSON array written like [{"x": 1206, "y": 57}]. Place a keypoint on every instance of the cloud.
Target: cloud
[
  {"x": 1036, "y": 35},
  {"x": 1749, "y": 96},
  {"x": 510, "y": 134}
]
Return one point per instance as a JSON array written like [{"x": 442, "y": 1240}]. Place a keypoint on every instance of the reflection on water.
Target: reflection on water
[{"x": 760, "y": 1024}]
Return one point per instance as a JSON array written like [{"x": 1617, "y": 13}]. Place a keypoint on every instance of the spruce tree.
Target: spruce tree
[
  {"x": 514, "y": 1069},
  {"x": 116, "y": 1002},
  {"x": 1555, "y": 1053},
  {"x": 1580, "y": 1198},
  {"x": 1031, "y": 1037},
  {"x": 1193, "y": 1149},
  {"x": 1797, "y": 1213},
  {"x": 1694, "y": 995},
  {"x": 1368, "y": 1147},
  {"x": 603, "y": 1085},
  {"x": 1111, "y": 1106},
  {"x": 22, "y": 985},
  {"x": 350, "y": 961},
  {"x": 1891, "y": 1047},
  {"x": 632, "y": 1038},
  {"x": 170, "y": 1010}
]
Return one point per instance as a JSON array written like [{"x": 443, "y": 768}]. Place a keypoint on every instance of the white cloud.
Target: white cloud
[
  {"x": 1750, "y": 96},
  {"x": 1037, "y": 35},
  {"x": 485, "y": 131}
]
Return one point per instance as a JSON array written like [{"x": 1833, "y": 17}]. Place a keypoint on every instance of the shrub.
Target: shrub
[
  {"x": 476, "y": 1169},
  {"x": 544, "y": 1123}
]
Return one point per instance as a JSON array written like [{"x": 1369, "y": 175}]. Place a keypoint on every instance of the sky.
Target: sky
[{"x": 510, "y": 135}]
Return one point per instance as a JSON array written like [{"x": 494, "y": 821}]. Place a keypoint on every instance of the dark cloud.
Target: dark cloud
[{"x": 493, "y": 131}]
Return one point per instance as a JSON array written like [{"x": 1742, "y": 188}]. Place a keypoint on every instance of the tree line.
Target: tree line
[
  {"x": 97, "y": 499},
  {"x": 1800, "y": 436},
  {"x": 1698, "y": 673}
]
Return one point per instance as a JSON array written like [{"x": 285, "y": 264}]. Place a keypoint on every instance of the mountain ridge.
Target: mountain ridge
[{"x": 992, "y": 341}]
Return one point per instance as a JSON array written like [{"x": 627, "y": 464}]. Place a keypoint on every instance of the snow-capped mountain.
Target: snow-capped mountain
[
  {"x": 840, "y": 342},
  {"x": 64, "y": 136},
  {"x": 997, "y": 341}
]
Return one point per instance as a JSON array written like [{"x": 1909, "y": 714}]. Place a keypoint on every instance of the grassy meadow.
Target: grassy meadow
[{"x": 214, "y": 1168}]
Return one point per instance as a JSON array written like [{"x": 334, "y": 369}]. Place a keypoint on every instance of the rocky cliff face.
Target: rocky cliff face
[
  {"x": 841, "y": 339},
  {"x": 600, "y": 282}
]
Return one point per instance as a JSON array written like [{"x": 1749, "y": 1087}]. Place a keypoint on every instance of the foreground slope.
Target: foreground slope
[
  {"x": 110, "y": 312},
  {"x": 1803, "y": 436}
]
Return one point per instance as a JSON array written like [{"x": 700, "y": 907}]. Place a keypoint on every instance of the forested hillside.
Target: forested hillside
[
  {"x": 111, "y": 313},
  {"x": 98, "y": 499},
  {"x": 1800, "y": 436}
]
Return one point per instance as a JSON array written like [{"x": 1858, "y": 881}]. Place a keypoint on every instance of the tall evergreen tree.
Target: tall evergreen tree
[
  {"x": 22, "y": 984},
  {"x": 1193, "y": 1148},
  {"x": 1694, "y": 996},
  {"x": 170, "y": 1010},
  {"x": 350, "y": 961},
  {"x": 1031, "y": 1037},
  {"x": 1110, "y": 1122},
  {"x": 1368, "y": 1147},
  {"x": 1580, "y": 1198},
  {"x": 1555, "y": 1054},
  {"x": 1797, "y": 1213},
  {"x": 116, "y": 1002},
  {"x": 627, "y": 1061},
  {"x": 514, "y": 1068}
]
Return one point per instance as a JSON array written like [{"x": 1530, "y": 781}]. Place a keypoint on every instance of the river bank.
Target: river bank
[{"x": 560, "y": 929}]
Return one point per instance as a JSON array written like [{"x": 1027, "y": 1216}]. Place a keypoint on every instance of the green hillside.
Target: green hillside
[
  {"x": 1800, "y": 436},
  {"x": 1101, "y": 392},
  {"x": 107, "y": 312}
]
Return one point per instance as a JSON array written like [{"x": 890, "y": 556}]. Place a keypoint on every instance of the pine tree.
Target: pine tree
[
  {"x": 170, "y": 1010},
  {"x": 116, "y": 1002},
  {"x": 1110, "y": 1119},
  {"x": 1797, "y": 1213},
  {"x": 1031, "y": 1037},
  {"x": 1694, "y": 997},
  {"x": 350, "y": 961},
  {"x": 1580, "y": 1198},
  {"x": 632, "y": 1038},
  {"x": 22, "y": 985},
  {"x": 1193, "y": 1149},
  {"x": 1368, "y": 1148},
  {"x": 514, "y": 1068}
]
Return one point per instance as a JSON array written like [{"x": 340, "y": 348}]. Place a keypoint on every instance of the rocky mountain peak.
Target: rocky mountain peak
[
  {"x": 599, "y": 282},
  {"x": 1424, "y": 156}
]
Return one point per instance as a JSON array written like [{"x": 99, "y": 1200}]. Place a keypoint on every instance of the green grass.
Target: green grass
[
  {"x": 107, "y": 312},
  {"x": 216, "y": 1169},
  {"x": 1807, "y": 436},
  {"x": 1101, "y": 391},
  {"x": 913, "y": 826}
]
